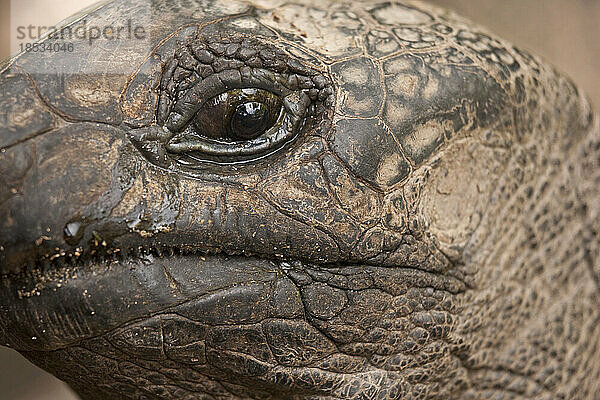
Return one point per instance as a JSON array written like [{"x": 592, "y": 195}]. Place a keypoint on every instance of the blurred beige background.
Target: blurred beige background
[{"x": 565, "y": 32}]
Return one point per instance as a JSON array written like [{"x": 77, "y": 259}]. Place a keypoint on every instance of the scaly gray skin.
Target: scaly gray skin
[{"x": 426, "y": 228}]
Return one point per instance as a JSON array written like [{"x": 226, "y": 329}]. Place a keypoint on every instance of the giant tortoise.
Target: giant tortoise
[{"x": 259, "y": 199}]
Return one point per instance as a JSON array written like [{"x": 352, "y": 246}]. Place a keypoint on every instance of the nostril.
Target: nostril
[{"x": 73, "y": 232}]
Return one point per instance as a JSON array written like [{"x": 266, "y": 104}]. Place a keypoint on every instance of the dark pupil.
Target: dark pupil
[{"x": 249, "y": 120}]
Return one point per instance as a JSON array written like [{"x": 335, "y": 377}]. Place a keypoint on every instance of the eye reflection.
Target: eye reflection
[
  {"x": 238, "y": 115},
  {"x": 250, "y": 120}
]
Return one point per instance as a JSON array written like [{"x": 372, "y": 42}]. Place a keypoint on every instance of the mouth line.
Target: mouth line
[
  {"x": 100, "y": 255},
  {"x": 60, "y": 264},
  {"x": 59, "y": 268},
  {"x": 81, "y": 297}
]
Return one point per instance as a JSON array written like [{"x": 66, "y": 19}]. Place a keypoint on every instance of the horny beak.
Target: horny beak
[{"x": 52, "y": 173}]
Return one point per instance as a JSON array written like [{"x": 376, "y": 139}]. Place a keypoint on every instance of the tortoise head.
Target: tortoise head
[{"x": 330, "y": 200}]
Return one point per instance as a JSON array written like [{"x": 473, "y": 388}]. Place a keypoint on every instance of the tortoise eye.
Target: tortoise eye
[
  {"x": 238, "y": 115},
  {"x": 233, "y": 109},
  {"x": 239, "y": 124}
]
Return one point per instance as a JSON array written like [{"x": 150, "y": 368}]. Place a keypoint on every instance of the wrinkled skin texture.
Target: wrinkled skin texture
[{"x": 430, "y": 231}]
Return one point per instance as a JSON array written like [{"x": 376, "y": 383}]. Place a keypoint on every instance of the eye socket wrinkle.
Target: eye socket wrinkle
[{"x": 232, "y": 108}]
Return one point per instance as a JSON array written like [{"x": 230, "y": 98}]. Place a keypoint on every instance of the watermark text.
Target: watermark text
[{"x": 82, "y": 32}]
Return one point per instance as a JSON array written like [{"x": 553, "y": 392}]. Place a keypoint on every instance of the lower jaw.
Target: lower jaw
[
  {"x": 230, "y": 327},
  {"x": 177, "y": 327},
  {"x": 57, "y": 309},
  {"x": 99, "y": 369}
]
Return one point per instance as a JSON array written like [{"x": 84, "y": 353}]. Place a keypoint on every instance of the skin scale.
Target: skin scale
[{"x": 430, "y": 231}]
